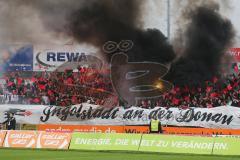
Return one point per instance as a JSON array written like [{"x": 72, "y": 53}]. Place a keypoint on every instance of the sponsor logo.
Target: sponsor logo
[
  {"x": 52, "y": 58},
  {"x": 21, "y": 139},
  {"x": 235, "y": 53},
  {"x": 53, "y": 140}
]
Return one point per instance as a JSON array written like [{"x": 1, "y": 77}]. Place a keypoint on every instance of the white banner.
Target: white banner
[
  {"x": 50, "y": 58},
  {"x": 218, "y": 117}
]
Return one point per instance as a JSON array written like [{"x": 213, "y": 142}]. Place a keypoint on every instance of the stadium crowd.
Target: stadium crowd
[
  {"x": 57, "y": 88},
  {"x": 94, "y": 86},
  {"x": 213, "y": 93}
]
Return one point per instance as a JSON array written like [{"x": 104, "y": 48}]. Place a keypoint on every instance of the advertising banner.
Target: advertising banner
[
  {"x": 224, "y": 117},
  {"x": 135, "y": 129},
  {"x": 235, "y": 53},
  {"x": 81, "y": 128},
  {"x": 21, "y": 139},
  {"x": 200, "y": 131},
  {"x": 54, "y": 140},
  {"x": 2, "y": 137},
  {"x": 176, "y": 144},
  {"x": 99, "y": 141},
  {"x": 226, "y": 146},
  {"x": 60, "y": 57},
  {"x": 220, "y": 145},
  {"x": 16, "y": 57}
]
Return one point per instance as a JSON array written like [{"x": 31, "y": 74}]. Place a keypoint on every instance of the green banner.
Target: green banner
[
  {"x": 100, "y": 141},
  {"x": 156, "y": 143},
  {"x": 177, "y": 144},
  {"x": 226, "y": 146}
]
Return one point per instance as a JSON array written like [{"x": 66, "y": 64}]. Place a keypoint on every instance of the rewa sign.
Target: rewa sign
[{"x": 50, "y": 59}]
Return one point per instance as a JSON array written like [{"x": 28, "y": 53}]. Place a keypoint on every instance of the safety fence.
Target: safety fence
[{"x": 217, "y": 145}]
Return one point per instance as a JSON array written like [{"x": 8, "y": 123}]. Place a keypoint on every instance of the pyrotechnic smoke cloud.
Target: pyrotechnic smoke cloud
[{"x": 207, "y": 36}]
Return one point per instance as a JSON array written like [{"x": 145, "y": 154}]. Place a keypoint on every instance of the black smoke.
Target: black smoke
[
  {"x": 208, "y": 36},
  {"x": 97, "y": 22}
]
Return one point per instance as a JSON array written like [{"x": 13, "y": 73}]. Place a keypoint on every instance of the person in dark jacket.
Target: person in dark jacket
[{"x": 10, "y": 122}]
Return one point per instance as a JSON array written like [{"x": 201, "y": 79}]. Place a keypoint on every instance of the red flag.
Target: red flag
[
  {"x": 208, "y": 89},
  {"x": 74, "y": 100},
  {"x": 177, "y": 89},
  {"x": 214, "y": 94},
  {"x": 175, "y": 101},
  {"x": 40, "y": 79},
  {"x": 229, "y": 87},
  {"x": 41, "y": 86},
  {"x": 36, "y": 100},
  {"x": 49, "y": 92},
  {"x": 33, "y": 79},
  {"x": 225, "y": 91},
  {"x": 19, "y": 81},
  {"x": 236, "y": 68},
  {"x": 69, "y": 80},
  {"x": 10, "y": 83}
]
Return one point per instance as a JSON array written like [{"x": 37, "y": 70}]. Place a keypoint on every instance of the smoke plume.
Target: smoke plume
[
  {"x": 95, "y": 22},
  {"x": 207, "y": 37}
]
